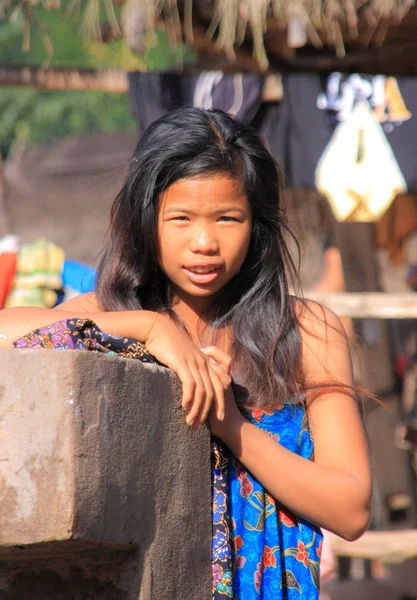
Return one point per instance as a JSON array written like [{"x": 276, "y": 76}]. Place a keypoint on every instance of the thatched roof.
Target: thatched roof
[{"x": 232, "y": 22}]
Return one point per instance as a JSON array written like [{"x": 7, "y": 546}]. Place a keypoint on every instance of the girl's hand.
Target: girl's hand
[
  {"x": 220, "y": 363},
  {"x": 201, "y": 385}
]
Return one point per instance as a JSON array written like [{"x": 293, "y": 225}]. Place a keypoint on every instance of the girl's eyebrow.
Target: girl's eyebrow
[{"x": 174, "y": 209}]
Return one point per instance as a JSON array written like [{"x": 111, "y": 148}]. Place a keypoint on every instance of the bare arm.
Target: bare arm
[
  {"x": 85, "y": 302},
  {"x": 169, "y": 344},
  {"x": 334, "y": 491}
]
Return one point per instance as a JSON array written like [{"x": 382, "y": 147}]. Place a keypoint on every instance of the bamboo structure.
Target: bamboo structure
[
  {"x": 230, "y": 22},
  {"x": 369, "y": 305},
  {"x": 106, "y": 80},
  {"x": 392, "y": 547}
]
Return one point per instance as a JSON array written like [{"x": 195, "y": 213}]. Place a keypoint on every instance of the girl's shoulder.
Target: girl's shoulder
[
  {"x": 316, "y": 319},
  {"x": 84, "y": 303},
  {"x": 325, "y": 343}
]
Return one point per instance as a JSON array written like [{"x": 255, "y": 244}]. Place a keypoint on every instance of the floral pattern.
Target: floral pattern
[{"x": 267, "y": 552}]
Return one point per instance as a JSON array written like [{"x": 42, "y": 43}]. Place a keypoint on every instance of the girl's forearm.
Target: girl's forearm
[
  {"x": 16, "y": 322},
  {"x": 328, "y": 497}
]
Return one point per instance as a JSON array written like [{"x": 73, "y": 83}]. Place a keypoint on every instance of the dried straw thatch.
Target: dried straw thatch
[{"x": 323, "y": 20}]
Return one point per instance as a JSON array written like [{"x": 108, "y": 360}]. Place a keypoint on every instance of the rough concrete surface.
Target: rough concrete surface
[{"x": 105, "y": 491}]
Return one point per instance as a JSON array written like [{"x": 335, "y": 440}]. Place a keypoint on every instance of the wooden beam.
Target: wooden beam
[
  {"x": 112, "y": 81},
  {"x": 394, "y": 59},
  {"x": 107, "y": 80},
  {"x": 369, "y": 305}
]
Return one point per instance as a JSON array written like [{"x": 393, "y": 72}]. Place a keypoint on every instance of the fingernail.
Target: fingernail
[
  {"x": 222, "y": 416},
  {"x": 213, "y": 362},
  {"x": 190, "y": 422}
]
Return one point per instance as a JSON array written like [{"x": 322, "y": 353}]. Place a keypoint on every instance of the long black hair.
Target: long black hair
[{"x": 256, "y": 304}]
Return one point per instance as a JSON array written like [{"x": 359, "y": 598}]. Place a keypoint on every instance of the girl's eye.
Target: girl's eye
[
  {"x": 228, "y": 219},
  {"x": 183, "y": 218}
]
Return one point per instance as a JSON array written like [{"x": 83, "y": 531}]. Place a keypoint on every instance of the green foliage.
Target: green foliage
[
  {"x": 39, "y": 116},
  {"x": 70, "y": 47},
  {"x": 161, "y": 55}
]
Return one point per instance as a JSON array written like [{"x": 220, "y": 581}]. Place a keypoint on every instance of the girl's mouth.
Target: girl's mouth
[{"x": 202, "y": 275}]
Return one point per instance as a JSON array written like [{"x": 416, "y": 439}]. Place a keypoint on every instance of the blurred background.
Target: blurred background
[{"x": 332, "y": 87}]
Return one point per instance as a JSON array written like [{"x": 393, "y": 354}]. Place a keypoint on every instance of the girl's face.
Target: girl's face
[{"x": 204, "y": 230}]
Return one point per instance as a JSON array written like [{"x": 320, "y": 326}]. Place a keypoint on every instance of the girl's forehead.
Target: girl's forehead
[{"x": 216, "y": 188}]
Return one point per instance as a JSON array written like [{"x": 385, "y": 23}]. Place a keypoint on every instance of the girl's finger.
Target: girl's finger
[
  {"x": 224, "y": 377},
  {"x": 188, "y": 386},
  {"x": 219, "y": 394},
  {"x": 210, "y": 393},
  {"x": 193, "y": 417},
  {"x": 219, "y": 356}
]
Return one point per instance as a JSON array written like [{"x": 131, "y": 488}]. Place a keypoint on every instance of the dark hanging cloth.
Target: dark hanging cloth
[
  {"x": 239, "y": 94},
  {"x": 268, "y": 123},
  {"x": 303, "y": 131},
  {"x": 154, "y": 94},
  {"x": 402, "y": 135}
]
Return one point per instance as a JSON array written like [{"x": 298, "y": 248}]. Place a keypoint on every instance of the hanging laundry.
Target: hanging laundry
[
  {"x": 154, "y": 94},
  {"x": 269, "y": 124},
  {"x": 9, "y": 245},
  {"x": 314, "y": 106},
  {"x": 204, "y": 86},
  {"x": 77, "y": 278},
  {"x": 38, "y": 277},
  {"x": 303, "y": 131},
  {"x": 358, "y": 172},
  {"x": 396, "y": 225},
  {"x": 8, "y": 265},
  {"x": 239, "y": 94}
]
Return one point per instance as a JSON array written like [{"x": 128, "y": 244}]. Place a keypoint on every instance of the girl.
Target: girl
[{"x": 195, "y": 269}]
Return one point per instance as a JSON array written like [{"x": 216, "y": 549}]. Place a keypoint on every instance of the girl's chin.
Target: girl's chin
[{"x": 197, "y": 291}]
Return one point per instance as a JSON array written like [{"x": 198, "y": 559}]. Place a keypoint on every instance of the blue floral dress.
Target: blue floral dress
[{"x": 260, "y": 549}]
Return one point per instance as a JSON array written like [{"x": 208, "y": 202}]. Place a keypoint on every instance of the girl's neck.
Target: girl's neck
[
  {"x": 192, "y": 315},
  {"x": 196, "y": 315}
]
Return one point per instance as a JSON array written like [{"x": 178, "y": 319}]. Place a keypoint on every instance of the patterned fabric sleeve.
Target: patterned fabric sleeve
[{"x": 83, "y": 334}]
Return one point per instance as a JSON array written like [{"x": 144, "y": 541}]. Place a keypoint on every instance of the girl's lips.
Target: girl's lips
[{"x": 201, "y": 277}]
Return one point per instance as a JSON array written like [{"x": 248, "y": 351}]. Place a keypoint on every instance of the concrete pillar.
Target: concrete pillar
[{"x": 105, "y": 492}]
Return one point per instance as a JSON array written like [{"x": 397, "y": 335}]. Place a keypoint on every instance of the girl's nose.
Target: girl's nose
[{"x": 204, "y": 241}]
